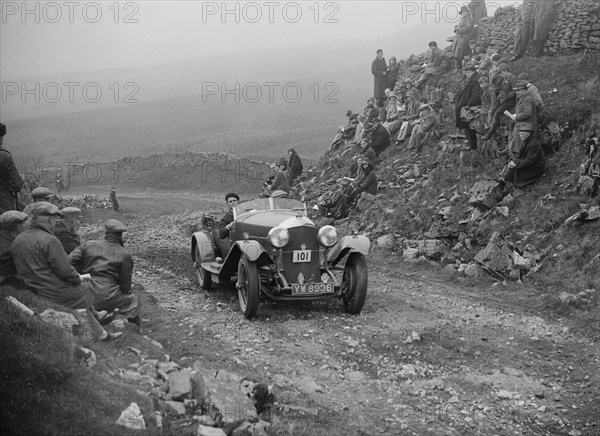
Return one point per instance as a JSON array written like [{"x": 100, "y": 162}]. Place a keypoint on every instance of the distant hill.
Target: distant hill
[{"x": 172, "y": 116}]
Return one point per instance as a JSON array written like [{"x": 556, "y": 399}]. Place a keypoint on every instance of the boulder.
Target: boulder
[
  {"x": 180, "y": 384},
  {"x": 204, "y": 430},
  {"x": 386, "y": 241},
  {"x": 496, "y": 258},
  {"x": 485, "y": 194},
  {"x": 132, "y": 418}
]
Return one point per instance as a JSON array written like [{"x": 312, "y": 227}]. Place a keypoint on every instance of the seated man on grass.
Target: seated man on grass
[
  {"x": 42, "y": 263},
  {"x": 111, "y": 270}
]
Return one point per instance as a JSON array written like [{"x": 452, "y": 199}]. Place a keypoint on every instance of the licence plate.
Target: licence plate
[
  {"x": 299, "y": 256},
  {"x": 312, "y": 288}
]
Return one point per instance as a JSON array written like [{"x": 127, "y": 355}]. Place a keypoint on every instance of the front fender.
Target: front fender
[
  {"x": 251, "y": 249},
  {"x": 354, "y": 243},
  {"x": 203, "y": 241}
]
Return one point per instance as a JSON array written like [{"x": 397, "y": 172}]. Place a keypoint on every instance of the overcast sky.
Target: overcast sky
[{"x": 40, "y": 38}]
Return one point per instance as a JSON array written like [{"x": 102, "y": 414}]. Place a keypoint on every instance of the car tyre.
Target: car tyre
[
  {"x": 204, "y": 277},
  {"x": 354, "y": 283},
  {"x": 248, "y": 286}
]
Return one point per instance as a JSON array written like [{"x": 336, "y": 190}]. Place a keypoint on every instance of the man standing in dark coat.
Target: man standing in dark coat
[
  {"x": 295, "y": 163},
  {"x": 469, "y": 96},
  {"x": 10, "y": 179},
  {"x": 530, "y": 163},
  {"x": 380, "y": 137},
  {"x": 111, "y": 268},
  {"x": 12, "y": 223},
  {"x": 379, "y": 70},
  {"x": 524, "y": 28},
  {"x": 66, "y": 228}
]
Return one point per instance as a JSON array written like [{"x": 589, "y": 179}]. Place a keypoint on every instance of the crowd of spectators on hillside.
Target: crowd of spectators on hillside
[{"x": 405, "y": 112}]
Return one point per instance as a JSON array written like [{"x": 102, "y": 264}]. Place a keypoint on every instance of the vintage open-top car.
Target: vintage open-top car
[{"x": 275, "y": 249}]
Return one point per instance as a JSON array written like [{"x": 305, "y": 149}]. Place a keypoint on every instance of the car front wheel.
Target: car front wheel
[
  {"x": 248, "y": 286},
  {"x": 204, "y": 277},
  {"x": 354, "y": 283}
]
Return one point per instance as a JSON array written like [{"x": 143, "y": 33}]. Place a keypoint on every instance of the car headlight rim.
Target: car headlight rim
[
  {"x": 279, "y": 237},
  {"x": 328, "y": 236}
]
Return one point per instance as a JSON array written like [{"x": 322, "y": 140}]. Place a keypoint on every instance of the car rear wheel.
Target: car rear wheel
[
  {"x": 248, "y": 286},
  {"x": 354, "y": 283},
  {"x": 204, "y": 277}
]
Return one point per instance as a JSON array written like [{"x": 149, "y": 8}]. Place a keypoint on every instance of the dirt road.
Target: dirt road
[{"x": 481, "y": 360}]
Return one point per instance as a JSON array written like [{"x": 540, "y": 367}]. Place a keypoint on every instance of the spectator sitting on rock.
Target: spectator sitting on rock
[
  {"x": 525, "y": 113},
  {"x": 437, "y": 64},
  {"x": 392, "y": 122},
  {"x": 111, "y": 268},
  {"x": 43, "y": 265},
  {"x": 12, "y": 223},
  {"x": 485, "y": 62},
  {"x": 409, "y": 121},
  {"x": 281, "y": 183},
  {"x": 379, "y": 137},
  {"x": 486, "y": 100},
  {"x": 40, "y": 193},
  {"x": 506, "y": 99},
  {"x": 427, "y": 123},
  {"x": 529, "y": 164},
  {"x": 366, "y": 181},
  {"x": 469, "y": 96},
  {"x": 67, "y": 227},
  {"x": 295, "y": 163}
]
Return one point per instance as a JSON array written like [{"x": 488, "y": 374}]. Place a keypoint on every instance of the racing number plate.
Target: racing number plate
[
  {"x": 312, "y": 288},
  {"x": 299, "y": 256}
]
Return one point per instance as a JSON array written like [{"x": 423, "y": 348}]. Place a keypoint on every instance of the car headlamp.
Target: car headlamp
[
  {"x": 278, "y": 237},
  {"x": 328, "y": 236}
]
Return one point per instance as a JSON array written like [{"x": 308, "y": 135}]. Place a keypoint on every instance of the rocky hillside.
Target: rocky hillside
[{"x": 444, "y": 205}]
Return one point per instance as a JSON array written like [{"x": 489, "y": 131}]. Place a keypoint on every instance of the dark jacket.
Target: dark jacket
[
  {"x": 544, "y": 16},
  {"x": 368, "y": 183},
  {"x": 70, "y": 241},
  {"x": 530, "y": 164},
  {"x": 225, "y": 221},
  {"x": 380, "y": 139},
  {"x": 281, "y": 181},
  {"x": 469, "y": 96},
  {"x": 10, "y": 181},
  {"x": 295, "y": 164},
  {"x": 43, "y": 264},
  {"x": 526, "y": 111},
  {"x": 7, "y": 265},
  {"x": 111, "y": 268},
  {"x": 507, "y": 91},
  {"x": 379, "y": 68}
]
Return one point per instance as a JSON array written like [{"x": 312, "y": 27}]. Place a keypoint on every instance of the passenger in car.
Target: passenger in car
[
  {"x": 226, "y": 222},
  {"x": 281, "y": 183}
]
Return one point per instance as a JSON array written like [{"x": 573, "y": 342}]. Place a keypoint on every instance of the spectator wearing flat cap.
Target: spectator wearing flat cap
[
  {"x": 113, "y": 198},
  {"x": 226, "y": 223},
  {"x": 525, "y": 113},
  {"x": 295, "y": 163},
  {"x": 366, "y": 181},
  {"x": 428, "y": 122},
  {"x": 11, "y": 182},
  {"x": 111, "y": 269},
  {"x": 530, "y": 162},
  {"x": 12, "y": 223},
  {"x": 379, "y": 70},
  {"x": 67, "y": 227},
  {"x": 281, "y": 183},
  {"x": 437, "y": 64},
  {"x": 41, "y": 193},
  {"x": 470, "y": 95},
  {"x": 42, "y": 263}
]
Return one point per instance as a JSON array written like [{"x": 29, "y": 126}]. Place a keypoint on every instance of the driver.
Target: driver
[{"x": 226, "y": 222}]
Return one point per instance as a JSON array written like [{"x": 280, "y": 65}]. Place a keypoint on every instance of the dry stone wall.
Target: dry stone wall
[{"x": 576, "y": 27}]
